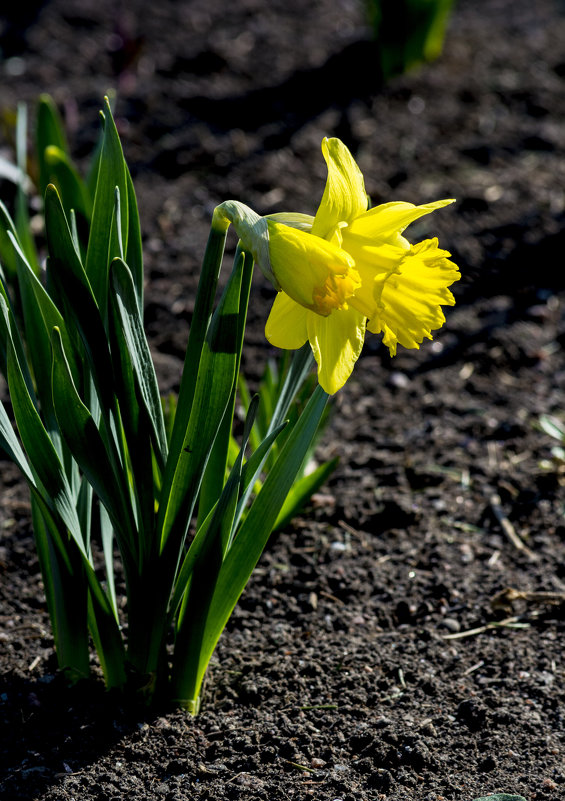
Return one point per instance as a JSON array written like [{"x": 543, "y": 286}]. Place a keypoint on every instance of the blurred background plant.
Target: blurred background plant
[{"x": 408, "y": 32}]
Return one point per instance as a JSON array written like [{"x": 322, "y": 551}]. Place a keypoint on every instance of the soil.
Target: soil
[{"x": 372, "y": 655}]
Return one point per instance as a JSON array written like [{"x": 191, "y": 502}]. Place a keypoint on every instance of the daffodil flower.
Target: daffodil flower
[{"x": 346, "y": 270}]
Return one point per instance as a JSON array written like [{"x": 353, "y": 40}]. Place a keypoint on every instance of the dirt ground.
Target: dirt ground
[{"x": 366, "y": 659}]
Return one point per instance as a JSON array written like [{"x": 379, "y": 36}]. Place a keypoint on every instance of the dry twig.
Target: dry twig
[{"x": 508, "y": 528}]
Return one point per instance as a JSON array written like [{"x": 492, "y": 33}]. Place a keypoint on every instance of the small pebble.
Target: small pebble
[{"x": 398, "y": 380}]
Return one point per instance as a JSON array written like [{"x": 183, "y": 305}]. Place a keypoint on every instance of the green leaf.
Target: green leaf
[
  {"x": 55, "y": 163},
  {"x": 214, "y": 384},
  {"x": 22, "y": 215},
  {"x": 247, "y": 548},
  {"x": 109, "y": 644},
  {"x": 134, "y": 252},
  {"x": 139, "y": 403},
  {"x": 129, "y": 312},
  {"x": 252, "y": 470},
  {"x": 66, "y": 272},
  {"x": 66, "y": 593},
  {"x": 8, "y": 328},
  {"x": 42, "y": 454},
  {"x": 408, "y": 32},
  {"x": 49, "y": 131},
  {"x": 40, "y": 317},
  {"x": 11, "y": 446},
  {"x": 90, "y": 451},
  {"x": 213, "y": 537},
  {"x": 62, "y": 173},
  {"x": 107, "y": 537},
  {"x": 214, "y": 476},
  {"x": 101, "y": 616},
  {"x": 8, "y": 257},
  {"x": 111, "y": 174},
  {"x": 299, "y": 369}
]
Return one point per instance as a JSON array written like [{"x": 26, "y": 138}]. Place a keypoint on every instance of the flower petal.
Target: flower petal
[
  {"x": 344, "y": 197},
  {"x": 411, "y": 299},
  {"x": 387, "y": 222},
  {"x": 336, "y": 342},
  {"x": 286, "y": 325}
]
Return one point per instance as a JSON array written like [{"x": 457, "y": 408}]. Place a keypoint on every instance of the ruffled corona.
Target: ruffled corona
[{"x": 412, "y": 297}]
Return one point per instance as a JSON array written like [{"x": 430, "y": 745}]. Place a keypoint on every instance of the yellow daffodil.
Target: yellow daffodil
[{"x": 347, "y": 269}]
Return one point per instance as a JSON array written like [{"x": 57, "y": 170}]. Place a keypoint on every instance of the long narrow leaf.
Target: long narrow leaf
[
  {"x": 66, "y": 593},
  {"x": 40, "y": 317},
  {"x": 217, "y": 526},
  {"x": 107, "y": 537},
  {"x": 22, "y": 215},
  {"x": 111, "y": 174},
  {"x": 8, "y": 328},
  {"x": 125, "y": 297},
  {"x": 214, "y": 477},
  {"x": 101, "y": 616},
  {"x": 49, "y": 130},
  {"x": 80, "y": 307},
  {"x": 87, "y": 446},
  {"x": 247, "y": 548},
  {"x": 299, "y": 368},
  {"x": 39, "y": 447},
  {"x": 134, "y": 252},
  {"x": 214, "y": 384},
  {"x": 63, "y": 174},
  {"x": 11, "y": 446},
  {"x": 7, "y": 255}
]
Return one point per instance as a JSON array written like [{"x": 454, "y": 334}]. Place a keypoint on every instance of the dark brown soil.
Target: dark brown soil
[{"x": 366, "y": 659}]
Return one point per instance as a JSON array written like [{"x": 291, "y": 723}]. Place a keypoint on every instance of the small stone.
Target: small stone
[{"x": 398, "y": 380}]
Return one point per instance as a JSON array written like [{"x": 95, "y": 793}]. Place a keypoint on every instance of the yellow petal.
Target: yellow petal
[
  {"x": 286, "y": 325},
  {"x": 336, "y": 342},
  {"x": 411, "y": 300},
  {"x": 387, "y": 222},
  {"x": 344, "y": 197},
  {"x": 313, "y": 272}
]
